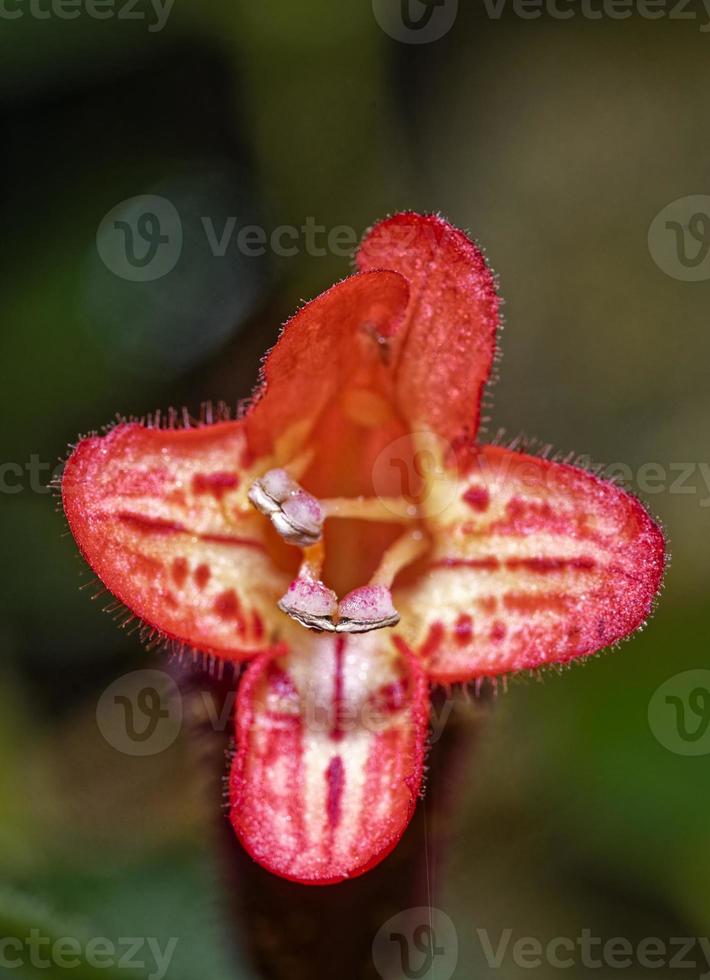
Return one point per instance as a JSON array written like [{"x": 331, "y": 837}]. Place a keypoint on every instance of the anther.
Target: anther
[
  {"x": 311, "y": 604},
  {"x": 370, "y": 607},
  {"x": 297, "y": 516},
  {"x": 367, "y": 608}
]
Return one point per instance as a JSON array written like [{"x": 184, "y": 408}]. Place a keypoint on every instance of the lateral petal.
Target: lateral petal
[
  {"x": 161, "y": 517},
  {"x": 533, "y": 563}
]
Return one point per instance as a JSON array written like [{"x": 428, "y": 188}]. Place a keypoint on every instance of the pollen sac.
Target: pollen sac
[
  {"x": 311, "y": 604},
  {"x": 367, "y": 608},
  {"x": 296, "y": 515}
]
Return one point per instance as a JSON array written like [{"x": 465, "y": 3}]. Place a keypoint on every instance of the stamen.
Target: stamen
[
  {"x": 370, "y": 607},
  {"x": 296, "y": 515},
  {"x": 300, "y": 520},
  {"x": 308, "y": 600},
  {"x": 311, "y": 604},
  {"x": 367, "y": 608},
  {"x": 393, "y": 509},
  {"x": 403, "y": 552}
]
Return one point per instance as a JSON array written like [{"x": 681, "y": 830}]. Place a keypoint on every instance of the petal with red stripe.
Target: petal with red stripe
[
  {"x": 533, "y": 562},
  {"x": 162, "y": 518},
  {"x": 330, "y": 748},
  {"x": 443, "y": 353}
]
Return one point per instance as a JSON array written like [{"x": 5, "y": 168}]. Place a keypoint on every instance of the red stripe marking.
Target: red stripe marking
[
  {"x": 150, "y": 525},
  {"x": 336, "y": 732},
  {"x": 544, "y": 565},
  {"x": 215, "y": 483},
  {"x": 487, "y": 564},
  {"x": 335, "y": 779},
  {"x": 159, "y": 525}
]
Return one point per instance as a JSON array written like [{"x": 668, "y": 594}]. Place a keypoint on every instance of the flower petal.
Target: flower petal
[
  {"x": 330, "y": 748},
  {"x": 161, "y": 517},
  {"x": 333, "y": 340},
  {"x": 533, "y": 563},
  {"x": 444, "y": 352}
]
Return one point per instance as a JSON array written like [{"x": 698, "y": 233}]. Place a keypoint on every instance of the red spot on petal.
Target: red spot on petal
[
  {"x": 226, "y": 604},
  {"x": 392, "y": 697},
  {"x": 498, "y": 631},
  {"x": 216, "y": 484},
  {"x": 280, "y": 682},
  {"x": 463, "y": 629},
  {"x": 335, "y": 779},
  {"x": 477, "y": 497},
  {"x": 171, "y": 600},
  {"x": 179, "y": 571},
  {"x": 488, "y": 603},
  {"x": 202, "y": 575}
]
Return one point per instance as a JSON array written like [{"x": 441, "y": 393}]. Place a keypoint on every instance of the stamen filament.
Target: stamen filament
[
  {"x": 394, "y": 509},
  {"x": 403, "y": 552},
  {"x": 313, "y": 559}
]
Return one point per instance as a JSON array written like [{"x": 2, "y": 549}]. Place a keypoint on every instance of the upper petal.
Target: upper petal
[
  {"x": 444, "y": 351},
  {"x": 161, "y": 516},
  {"x": 533, "y": 563},
  {"x": 330, "y": 749},
  {"x": 329, "y": 351}
]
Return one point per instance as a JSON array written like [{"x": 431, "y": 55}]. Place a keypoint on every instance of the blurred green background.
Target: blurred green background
[{"x": 555, "y": 143}]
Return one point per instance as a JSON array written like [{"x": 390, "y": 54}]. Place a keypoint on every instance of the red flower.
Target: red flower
[{"x": 357, "y": 459}]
